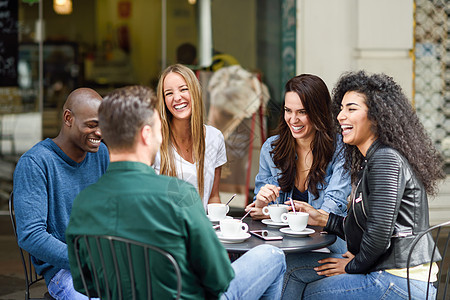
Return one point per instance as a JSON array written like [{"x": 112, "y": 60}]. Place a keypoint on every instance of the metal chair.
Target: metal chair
[
  {"x": 443, "y": 265},
  {"x": 105, "y": 261},
  {"x": 31, "y": 276}
]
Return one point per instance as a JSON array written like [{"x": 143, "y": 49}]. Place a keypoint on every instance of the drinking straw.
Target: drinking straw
[
  {"x": 292, "y": 204},
  {"x": 246, "y": 214},
  {"x": 232, "y": 197}
]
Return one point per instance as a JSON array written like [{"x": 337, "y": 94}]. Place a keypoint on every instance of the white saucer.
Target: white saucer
[
  {"x": 233, "y": 239},
  {"x": 271, "y": 223},
  {"x": 305, "y": 232},
  {"x": 217, "y": 221}
]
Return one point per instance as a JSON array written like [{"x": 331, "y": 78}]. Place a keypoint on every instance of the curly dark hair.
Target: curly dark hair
[
  {"x": 316, "y": 100},
  {"x": 395, "y": 123}
]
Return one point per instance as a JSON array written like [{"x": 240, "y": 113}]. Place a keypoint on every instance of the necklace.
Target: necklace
[
  {"x": 186, "y": 149},
  {"x": 189, "y": 147}
]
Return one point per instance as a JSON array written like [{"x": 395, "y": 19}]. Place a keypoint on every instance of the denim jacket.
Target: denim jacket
[{"x": 332, "y": 196}]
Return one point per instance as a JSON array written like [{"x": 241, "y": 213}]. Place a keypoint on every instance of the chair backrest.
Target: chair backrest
[
  {"x": 443, "y": 264},
  {"x": 112, "y": 267},
  {"x": 31, "y": 276}
]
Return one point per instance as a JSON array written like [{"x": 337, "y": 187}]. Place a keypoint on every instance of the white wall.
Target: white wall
[
  {"x": 334, "y": 36},
  {"x": 385, "y": 39},
  {"x": 439, "y": 205},
  {"x": 326, "y": 38}
]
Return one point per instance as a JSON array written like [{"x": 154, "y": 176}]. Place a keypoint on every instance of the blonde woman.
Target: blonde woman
[{"x": 190, "y": 150}]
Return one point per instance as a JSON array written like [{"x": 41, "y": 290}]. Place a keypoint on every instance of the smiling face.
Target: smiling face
[
  {"x": 177, "y": 97},
  {"x": 85, "y": 132},
  {"x": 355, "y": 124},
  {"x": 296, "y": 117}
]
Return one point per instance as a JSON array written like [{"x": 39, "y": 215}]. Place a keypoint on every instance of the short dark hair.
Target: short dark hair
[
  {"x": 186, "y": 54},
  {"x": 123, "y": 113}
]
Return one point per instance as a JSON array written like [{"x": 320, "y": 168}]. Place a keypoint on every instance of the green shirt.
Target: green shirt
[{"x": 130, "y": 200}]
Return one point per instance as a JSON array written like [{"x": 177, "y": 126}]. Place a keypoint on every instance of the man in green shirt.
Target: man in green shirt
[{"x": 130, "y": 200}]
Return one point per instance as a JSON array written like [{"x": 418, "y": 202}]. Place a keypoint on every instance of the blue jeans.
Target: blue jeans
[
  {"x": 340, "y": 246},
  {"x": 302, "y": 280},
  {"x": 258, "y": 274},
  {"x": 61, "y": 287}
]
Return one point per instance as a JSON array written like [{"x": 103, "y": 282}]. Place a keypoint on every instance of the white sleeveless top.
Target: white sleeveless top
[{"x": 215, "y": 156}]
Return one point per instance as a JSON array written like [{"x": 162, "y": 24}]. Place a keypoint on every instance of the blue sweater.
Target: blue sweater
[{"x": 46, "y": 181}]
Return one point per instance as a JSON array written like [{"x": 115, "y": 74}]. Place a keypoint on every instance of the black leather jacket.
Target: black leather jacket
[{"x": 389, "y": 208}]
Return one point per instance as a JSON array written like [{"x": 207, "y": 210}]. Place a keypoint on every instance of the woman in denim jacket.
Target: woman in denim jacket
[{"x": 304, "y": 160}]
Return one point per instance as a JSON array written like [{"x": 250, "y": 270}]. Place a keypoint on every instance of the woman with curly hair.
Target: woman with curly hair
[
  {"x": 304, "y": 161},
  {"x": 393, "y": 165},
  {"x": 191, "y": 150}
]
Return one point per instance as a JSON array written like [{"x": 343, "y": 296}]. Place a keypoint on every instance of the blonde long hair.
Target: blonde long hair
[{"x": 198, "y": 135}]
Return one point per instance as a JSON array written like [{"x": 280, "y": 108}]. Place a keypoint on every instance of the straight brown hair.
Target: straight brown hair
[{"x": 316, "y": 100}]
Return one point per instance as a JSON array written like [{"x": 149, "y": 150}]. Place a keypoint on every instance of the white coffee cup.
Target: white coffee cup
[
  {"x": 232, "y": 227},
  {"x": 217, "y": 211},
  {"x": 297, "y": 221},
  {"x": 275, "y": 211}
]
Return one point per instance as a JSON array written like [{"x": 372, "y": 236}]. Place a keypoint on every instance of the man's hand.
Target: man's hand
[{"x": 333, "y": 266}]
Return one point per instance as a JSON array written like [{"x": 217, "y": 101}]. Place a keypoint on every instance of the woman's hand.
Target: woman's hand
[
  {"x": 316, "y": 217},
  {"x": 333, "y": 266},
  {"x": 256, "y": 213},
  {"x": 268, "y": 193}
]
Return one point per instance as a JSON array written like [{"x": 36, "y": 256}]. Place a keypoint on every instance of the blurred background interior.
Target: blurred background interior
[{"x": 50, "y": 47}]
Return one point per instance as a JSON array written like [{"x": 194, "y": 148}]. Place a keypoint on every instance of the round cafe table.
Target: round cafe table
[{"x": 289, "y": 244}]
